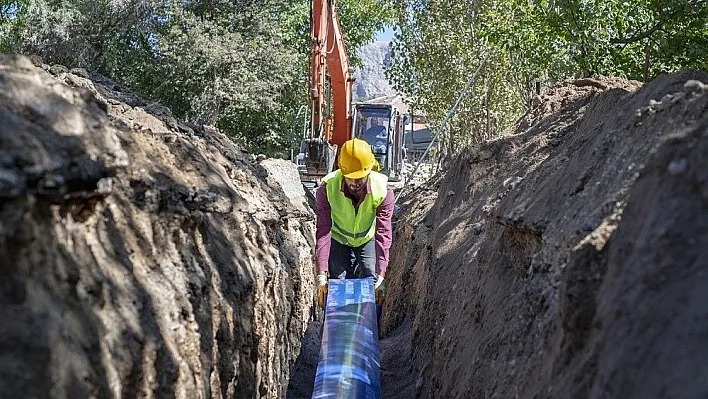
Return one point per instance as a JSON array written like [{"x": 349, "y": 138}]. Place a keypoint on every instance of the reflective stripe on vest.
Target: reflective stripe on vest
[{"x": 350, "y": 227}]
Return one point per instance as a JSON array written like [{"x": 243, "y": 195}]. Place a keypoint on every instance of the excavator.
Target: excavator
[{"x": 334, "y": 118}]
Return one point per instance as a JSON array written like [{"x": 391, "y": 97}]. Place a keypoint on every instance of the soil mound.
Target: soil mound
[
  {"x": 141, "y": 257},
  {"x": 566, "y": 260}
]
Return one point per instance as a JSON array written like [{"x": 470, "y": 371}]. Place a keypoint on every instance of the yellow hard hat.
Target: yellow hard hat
[{"x": 356, "y": 159}]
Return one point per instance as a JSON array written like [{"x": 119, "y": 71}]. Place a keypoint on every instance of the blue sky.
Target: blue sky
[{"x": 386, "y": 35}]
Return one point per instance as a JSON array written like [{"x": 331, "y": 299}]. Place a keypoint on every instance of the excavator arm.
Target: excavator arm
[{"x": 331, "y": 81}]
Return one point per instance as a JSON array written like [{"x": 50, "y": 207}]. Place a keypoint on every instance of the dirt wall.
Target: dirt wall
[
  {"x": 565, "y": 260},
  {"x": 139, "y": 256}
]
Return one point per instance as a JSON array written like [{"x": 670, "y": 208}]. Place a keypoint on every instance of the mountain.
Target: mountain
[{"x": 370, "y": 78}]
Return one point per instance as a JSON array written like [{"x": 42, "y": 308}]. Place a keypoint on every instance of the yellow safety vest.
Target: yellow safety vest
[{"x": 348, "y": 226}]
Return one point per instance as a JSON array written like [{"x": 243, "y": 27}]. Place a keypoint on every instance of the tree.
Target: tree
[
  {"x": 638, "y": 40},
  {"x": 238, "y": 64},
  {"x": 440, "y": 43},
  {"x": 11, "y": 12}
]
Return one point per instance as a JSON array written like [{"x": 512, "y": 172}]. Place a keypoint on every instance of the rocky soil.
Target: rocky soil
[
  {"x": 565, "y": 260},
  {"x": 144, "y": 257},
  {"x": 140, "y": 257}
]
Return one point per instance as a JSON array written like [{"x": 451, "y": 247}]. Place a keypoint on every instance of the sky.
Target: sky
[{"x": 385, "y": 36}]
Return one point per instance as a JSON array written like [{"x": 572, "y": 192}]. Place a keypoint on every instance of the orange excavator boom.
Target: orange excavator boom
[{"x": 328, "y": 49}]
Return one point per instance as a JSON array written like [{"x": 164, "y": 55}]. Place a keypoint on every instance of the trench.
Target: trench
[
  {"x": 179, "y": 269},
  {"x": 396, "y": 373},
  {"x": 395, "y": 334}
]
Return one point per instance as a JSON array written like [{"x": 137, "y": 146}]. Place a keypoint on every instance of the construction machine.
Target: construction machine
[
  {"x": 418, "y": 137},
  {"x": 334, "y": 118},
  {"x": 380, "y": 122}
]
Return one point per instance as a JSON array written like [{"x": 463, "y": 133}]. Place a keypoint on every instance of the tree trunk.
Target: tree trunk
[{"x": 647, "y": 61}]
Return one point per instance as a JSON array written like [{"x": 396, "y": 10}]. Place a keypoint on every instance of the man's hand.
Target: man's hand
[
  {"x": 321, "y": 288},
  {"x": 380, "y": 289}
]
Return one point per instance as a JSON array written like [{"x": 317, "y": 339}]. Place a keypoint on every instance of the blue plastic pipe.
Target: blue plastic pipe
[{"x": 349, "y": 356}]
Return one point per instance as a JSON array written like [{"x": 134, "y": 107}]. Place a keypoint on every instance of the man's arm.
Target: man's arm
[
  {"x": 384, "y": 232},
  {"x": 323, "y": 233},
  {"x": 382, "y": 133}
]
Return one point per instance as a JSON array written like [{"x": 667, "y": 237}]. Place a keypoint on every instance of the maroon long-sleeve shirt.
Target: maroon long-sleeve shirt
[{"x": 323, "y": 234}]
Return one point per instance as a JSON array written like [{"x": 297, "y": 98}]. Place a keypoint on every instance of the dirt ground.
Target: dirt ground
[
  {"x": 565, "y": 260},
  {"x": 140, "y": 257}
]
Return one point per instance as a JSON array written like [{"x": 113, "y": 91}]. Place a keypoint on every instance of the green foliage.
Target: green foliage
[
  {"x": 11, "y": 21},
  {"x": 441, "y": 42},
  {"x": 439, "y": 45},
  {"x": 639, "y": 40},
  {"x": 361, "y": 20},
  {"x": 224, "y": 65},
  {"x": 238, "y": 64}
]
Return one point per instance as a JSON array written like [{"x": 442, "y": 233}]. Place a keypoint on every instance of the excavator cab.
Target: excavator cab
[{"x": 381, "y": 125}]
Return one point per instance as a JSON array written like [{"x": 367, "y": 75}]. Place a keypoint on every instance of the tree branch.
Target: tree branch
[{"x": 639, "y": 36}]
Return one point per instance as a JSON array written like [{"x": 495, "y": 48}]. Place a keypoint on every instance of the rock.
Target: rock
[
  {"x": 512, "y": 182},
  {"x": 666, "y": 101},
  {"x": 589, "y": 82},
  {"x": 36, "y": 60},
  {"x": 80, "y": 72},
  {"x": 58, "y": 69},
  {"x": 677, "y": 167},
  {"x": 536, "y": 101},
  {"x": 284, "y": 175},
  {"x": 694, "y": 86}
]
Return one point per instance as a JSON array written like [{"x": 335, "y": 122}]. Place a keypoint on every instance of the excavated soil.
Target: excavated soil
[
  {"x": 565, "y": 260},
  {"x": 141, "y": 257}
]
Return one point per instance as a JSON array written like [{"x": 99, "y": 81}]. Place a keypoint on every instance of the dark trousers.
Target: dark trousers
[{"x": 352, "y": 262}]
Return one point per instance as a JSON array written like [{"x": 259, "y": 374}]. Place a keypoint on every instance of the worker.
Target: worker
[
  {"x": 354, "y": 220},
  {"x": 376, "y": 132}
]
